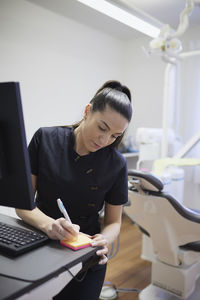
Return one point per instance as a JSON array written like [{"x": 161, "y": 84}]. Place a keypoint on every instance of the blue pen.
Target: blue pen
[{"x": 63, "y": 210}]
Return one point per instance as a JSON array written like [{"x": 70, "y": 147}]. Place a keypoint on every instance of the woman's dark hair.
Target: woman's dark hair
[{"x": 117, "y": 97}]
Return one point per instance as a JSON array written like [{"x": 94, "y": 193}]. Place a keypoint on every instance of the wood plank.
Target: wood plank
[{"x": 127, "y": 269}]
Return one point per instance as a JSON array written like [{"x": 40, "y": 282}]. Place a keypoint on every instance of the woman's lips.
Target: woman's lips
[{"x": 96, "y": 145}]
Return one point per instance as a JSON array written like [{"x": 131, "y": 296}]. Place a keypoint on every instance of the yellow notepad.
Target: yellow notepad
[{"x": 82, "y": 241}]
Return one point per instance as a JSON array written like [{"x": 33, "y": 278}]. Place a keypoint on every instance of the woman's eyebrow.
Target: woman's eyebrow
[
  {"x": 105, "y": 124},
  {"x": 109, "y": 127}
]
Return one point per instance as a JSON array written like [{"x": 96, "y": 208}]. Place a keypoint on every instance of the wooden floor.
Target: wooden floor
[{"x": 127, "y": 269}]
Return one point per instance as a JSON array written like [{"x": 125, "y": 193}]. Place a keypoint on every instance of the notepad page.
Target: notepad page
[{"x": 81, "y": 242}]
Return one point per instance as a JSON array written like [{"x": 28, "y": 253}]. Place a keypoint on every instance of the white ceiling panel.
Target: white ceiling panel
[{"x": 163, "y": 11}]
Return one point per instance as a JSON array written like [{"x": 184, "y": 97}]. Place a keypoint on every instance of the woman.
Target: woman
[{"x": 80, "y": 165}]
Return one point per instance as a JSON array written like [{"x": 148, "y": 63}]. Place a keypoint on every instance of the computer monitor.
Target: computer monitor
[{"x": 15, "y": 173}]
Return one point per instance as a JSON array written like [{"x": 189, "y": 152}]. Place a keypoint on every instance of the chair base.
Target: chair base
[
  {"x": 152, "y": 292},
  {"x": 181, "y": 282}
]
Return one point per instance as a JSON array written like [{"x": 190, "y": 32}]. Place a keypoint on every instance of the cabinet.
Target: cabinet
[{"x": 131, "y": 158}]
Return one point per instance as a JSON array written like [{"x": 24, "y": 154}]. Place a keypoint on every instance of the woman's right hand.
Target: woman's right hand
[{"x": 61, "y": 229}]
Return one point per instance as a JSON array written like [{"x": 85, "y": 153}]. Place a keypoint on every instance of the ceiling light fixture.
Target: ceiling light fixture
[{"x": 123, "y": 16}]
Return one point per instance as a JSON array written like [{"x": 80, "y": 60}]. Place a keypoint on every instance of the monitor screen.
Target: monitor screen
[{"x": 15, "y": 172}]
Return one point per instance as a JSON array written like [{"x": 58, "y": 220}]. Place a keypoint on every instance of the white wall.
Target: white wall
[
  {"x": 58, "y": 62},
  {"x": 190, "y": 86},
  {"x": 144, "y": 75},
  {"x": 146, "y": 78},
  {"x": 189, "y": 114}
]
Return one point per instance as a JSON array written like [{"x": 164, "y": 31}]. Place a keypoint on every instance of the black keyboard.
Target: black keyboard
[{"x": 15, "y": 241}]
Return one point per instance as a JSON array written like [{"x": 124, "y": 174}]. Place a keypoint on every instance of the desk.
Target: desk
[{"x": 44, "y": 267}]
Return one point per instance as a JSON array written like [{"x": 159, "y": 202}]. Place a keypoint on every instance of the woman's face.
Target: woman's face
[{"x": 100, "y": 129}]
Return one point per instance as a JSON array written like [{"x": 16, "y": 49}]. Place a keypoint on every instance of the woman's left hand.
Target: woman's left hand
[{"x": 99, "y": 240}]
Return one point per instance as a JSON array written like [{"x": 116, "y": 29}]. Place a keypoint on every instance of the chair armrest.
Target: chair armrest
[{"x": 148, "y": 181}]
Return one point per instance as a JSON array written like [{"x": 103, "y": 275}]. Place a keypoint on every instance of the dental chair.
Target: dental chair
[{"x": 174, "y": 231}]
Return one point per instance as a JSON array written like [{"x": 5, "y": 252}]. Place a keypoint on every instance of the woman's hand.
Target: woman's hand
[
  {"x": 61, "y": 229},
  {"x": 99, "y": 240}
]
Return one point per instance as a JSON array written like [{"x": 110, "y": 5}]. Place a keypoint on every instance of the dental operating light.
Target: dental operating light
[
  {"x": 167, "y": 43},
  {"x": 123, "y": 16}
]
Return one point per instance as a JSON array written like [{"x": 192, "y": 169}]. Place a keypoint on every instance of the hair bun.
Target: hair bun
[{"x": 114, "y": 84}]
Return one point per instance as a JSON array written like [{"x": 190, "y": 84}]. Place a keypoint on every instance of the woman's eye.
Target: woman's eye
[{"x": 101, "y": 128}]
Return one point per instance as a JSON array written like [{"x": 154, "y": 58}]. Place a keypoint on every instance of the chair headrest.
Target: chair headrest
[{"x": 148, "y": 181}]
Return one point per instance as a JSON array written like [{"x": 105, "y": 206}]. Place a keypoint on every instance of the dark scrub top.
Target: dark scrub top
[{"x": 83, "y": 183}]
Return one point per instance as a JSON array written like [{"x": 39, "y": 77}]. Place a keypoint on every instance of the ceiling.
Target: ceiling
[
  {"x": 166, "y": 11},
  {"x": 161, "y": 11}
]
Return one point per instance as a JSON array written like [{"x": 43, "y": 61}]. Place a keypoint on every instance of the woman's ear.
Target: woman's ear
[{"x": 87, "y": 110}]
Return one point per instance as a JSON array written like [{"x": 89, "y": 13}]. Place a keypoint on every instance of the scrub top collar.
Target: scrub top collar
[{"x": 75, "y": 155}]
